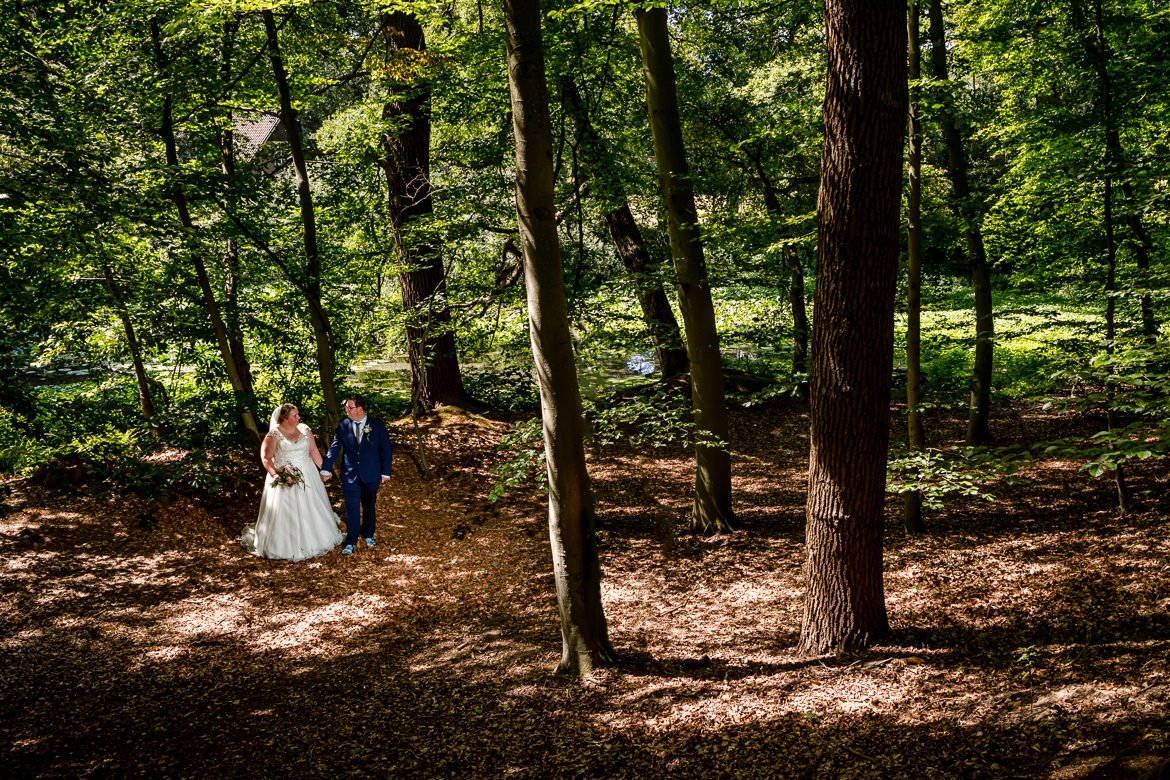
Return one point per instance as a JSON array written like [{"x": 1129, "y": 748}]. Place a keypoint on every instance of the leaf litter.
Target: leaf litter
[{"x": 1030, "y": 637}]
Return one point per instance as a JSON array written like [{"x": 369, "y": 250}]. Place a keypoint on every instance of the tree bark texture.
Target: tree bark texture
[
  {"x": 858, "y": 225},
  {"x": 628, "y": 241},
  {"x": 311, "y": 281},
  {"x": 970, "y": 213},
  {"x": 915, "y": 437},
  {"x": 712, "y": 506},
  {"x": 572, "y": 533},
  {"x": 434, "y": 363},
  {"x": 240, "y": 383}
]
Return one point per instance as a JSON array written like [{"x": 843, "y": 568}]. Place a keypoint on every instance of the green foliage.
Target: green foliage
[
  {"x": 1037, "y": 336},
  {"x": 524, "y": 462},
  {"x": 657, "y": 417},
  {"x": 509, "y": 385},
  {"x": 955, "y": 471},
  {"x": 1131, "y": 379}
]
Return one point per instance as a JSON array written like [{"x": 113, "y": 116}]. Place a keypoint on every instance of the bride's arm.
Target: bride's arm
[
  {"x": 314, "y": 453},
  {"x": 268, "y": 454}
]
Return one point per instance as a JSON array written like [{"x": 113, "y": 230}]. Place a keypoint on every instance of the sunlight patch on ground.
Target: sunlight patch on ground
[
  {"x": 493, "y": 653},
  {"x": 298, "y": 632},
  {"x": 28, "y": 636},
  {"x": 672, "y": 702},
  {"x": 321, "y": 631}
]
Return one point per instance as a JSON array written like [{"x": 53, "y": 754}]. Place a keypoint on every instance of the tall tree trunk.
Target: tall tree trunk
[
  {"x": 434, "y": 363},
  {"x": 970, "y": 213},
  {"x": 145, "y": 400},
  {"x": 712, "y": 507},
  {"x": 241, "y": 390},
  {"x": 915, "y": 437},
  {"x": 571, "y": 521},
  {"x": 311, "y": 281},
  {"x": 858, "y": 225},
  {"x": 1111, "y": 329},
  {"x": 800, "y": 328},
  {"x": 1142, "y": 243},
  {"x": 1112, "y": 166},
  {"x": 795, "y": 285},
  {"x": 627, "y": 239},
  {"x": 231, "y": 255}
]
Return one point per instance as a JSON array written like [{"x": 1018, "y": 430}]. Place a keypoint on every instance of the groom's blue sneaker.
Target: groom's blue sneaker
[
  {"x": 370, "y": 541},
  {"x": 347, "y": 550}
]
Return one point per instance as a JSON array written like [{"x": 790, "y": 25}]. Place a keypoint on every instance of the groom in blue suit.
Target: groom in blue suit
[{"x": 364, "y": 467}]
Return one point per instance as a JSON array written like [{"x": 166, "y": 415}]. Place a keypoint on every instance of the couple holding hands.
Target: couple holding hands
[{"x": 296, "y": 519}]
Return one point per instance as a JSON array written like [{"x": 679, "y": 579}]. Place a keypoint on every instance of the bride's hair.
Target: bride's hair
[{"x": 283, "y": 412}]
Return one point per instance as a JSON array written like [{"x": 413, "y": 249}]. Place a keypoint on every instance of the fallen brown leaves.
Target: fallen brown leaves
[{"x": 1031, "y": 635}]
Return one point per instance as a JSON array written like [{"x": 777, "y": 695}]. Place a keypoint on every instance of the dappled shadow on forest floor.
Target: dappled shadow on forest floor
[{"x": 1030, "y": 635}]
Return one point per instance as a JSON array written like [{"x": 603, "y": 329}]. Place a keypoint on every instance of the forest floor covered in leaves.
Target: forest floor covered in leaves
[{"x": 1031, "y": 635}]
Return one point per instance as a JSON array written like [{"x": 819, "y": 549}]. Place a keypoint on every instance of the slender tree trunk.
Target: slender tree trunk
[
  {"x": 800, "y": 328},
  {"x": 853, "y": 331},
  {"x": 571, "y": 521},
  {"x": 240, "y": 388},
  {"x": 1111, "y": 330},
  {"x": 656, "y": 311},
  {"x": 1112, "y": 166},
  {"x": 1142, "y": 243},
  {"x": 311, "y": 281},
  {"x": 145, "y": 400},
  {"x": 970, "y": 214},
  {"x": 915, "y": 437},
  {"x": 231, "y": 255},
  {"x": 434, "y": 362},
  {"x": 627, "y": 239},
  {"x": 712, "y": 507}
]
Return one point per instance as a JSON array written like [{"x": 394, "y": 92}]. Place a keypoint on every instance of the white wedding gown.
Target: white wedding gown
[{"x": 296, "y": 522}]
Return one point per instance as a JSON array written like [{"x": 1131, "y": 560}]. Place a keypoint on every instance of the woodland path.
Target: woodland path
[{"x": 1031, "y": 635}]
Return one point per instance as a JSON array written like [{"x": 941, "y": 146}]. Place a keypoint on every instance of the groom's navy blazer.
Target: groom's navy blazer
[{"x": 367, "y": 461}]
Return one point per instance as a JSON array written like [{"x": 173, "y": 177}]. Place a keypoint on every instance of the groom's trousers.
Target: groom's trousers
[{"x": 361, "y": 500}]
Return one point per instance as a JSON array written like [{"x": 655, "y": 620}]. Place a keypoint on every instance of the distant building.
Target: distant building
[{"x": 254, "y": 129}]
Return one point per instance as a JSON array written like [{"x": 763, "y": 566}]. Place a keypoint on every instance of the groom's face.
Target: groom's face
[{"x": 354, "y": 412}]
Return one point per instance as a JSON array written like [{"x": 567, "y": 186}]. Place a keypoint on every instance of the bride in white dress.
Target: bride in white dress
[{"x": 296, "y": 521}]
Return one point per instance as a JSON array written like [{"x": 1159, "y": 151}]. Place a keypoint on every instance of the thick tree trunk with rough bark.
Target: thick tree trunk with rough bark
[
  {"x": 970, "y": 213},
  {"x": 915, "y": 437},
  {"x": 571, "y": 522},
  {"x": 241, "y": 386},
  {"x": 311, "y": 283},
  {"x": 853, "y": 331},
  {"x": 712, "y": 507},
  {"x": 434, "y": 362},
  {"x": 628, "y": 241}
]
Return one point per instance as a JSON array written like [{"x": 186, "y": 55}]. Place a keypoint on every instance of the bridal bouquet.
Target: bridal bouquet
[{"x": 287, "y": 476}]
